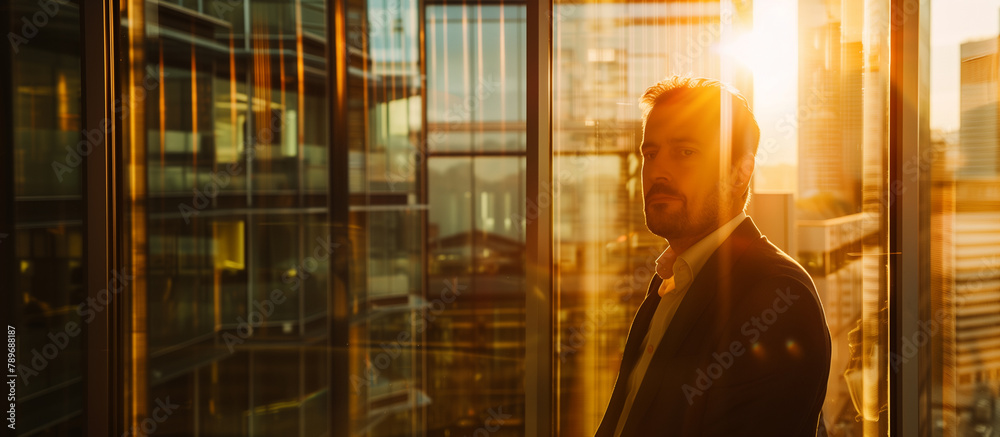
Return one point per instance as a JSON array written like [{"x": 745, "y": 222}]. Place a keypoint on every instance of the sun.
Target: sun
[
  {"x": 770, "y": 49},
  {"x": 767, "y": 52}
]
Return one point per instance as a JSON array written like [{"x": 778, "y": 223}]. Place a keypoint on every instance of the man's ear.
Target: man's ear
[{"x": 741, "y": 174}]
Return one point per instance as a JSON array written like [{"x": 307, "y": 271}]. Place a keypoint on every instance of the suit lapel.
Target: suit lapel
[
  {"x": 636, "y": 333},
  {"x": 696, "y": 301},
  {"x": 640, "y": 324}
]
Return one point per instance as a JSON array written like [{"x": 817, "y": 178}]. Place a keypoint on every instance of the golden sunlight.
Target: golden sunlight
[{"x": 770, "y": 50}]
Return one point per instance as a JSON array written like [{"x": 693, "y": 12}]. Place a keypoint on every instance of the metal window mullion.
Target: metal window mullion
[
  {"x": 539, "y": 302},
  {"x": 909, "y": 299},
  {"x": 99, "y": 25},
  {"x": 338, "y": 353},
  {"x": 11, "y": 308}
]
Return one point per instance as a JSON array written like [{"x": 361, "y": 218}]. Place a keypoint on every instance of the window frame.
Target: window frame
[
  {"x": 539, "y": 298},
  {"x": 99, "y": 22},
  {"x": 107, "y": 358},
  {"x": 910, "y": 397}
]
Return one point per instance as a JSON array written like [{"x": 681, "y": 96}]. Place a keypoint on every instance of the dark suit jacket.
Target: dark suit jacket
[{"x": 747, "y": 353}]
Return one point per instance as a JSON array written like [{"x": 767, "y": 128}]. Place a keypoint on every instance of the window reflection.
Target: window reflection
[
  {"x": 230, "y": 216},
  {"x": 45, "y": 241},
  {"x": 231, "y": 234},
  {"x": 823, "y": 129},
  {"x": 475, "y": 237},
  {"x": 963, "y": 164}
]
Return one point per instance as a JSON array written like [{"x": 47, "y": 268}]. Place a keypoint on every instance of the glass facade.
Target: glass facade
[
  {"x": 605, "y": 57},
  {"x": 961, "y": 164},
  {"x": 226, "y": 206},
  {"x": 234, "y": 223},
  {"x": 475, "y": 147},
  {"x": 321, "y": 209},
  {"x": 42, "y": 237}
]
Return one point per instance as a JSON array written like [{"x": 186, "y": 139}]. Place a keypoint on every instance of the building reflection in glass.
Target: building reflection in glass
[
  {"x": 231, "y": 223},
  {"x": 605, "y": 56},
  {"x": 965, "y": 243},
  {"x": 235, "y": 211},
  {"x": 476, "y": 107},
  {"x": 43, "y": 247},
  {"x": 234, "y": 229}
]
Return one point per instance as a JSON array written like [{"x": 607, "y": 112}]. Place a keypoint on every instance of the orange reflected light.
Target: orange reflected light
[
  {"x": 770, "y": 51},
  {"x": 763, "y": 50},
  {"x": 793, "y": 348}
]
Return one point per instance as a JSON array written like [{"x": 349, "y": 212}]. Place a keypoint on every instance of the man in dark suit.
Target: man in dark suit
[{"x": 731, "y": 339}]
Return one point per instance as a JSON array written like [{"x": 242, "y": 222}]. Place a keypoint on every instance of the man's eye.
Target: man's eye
[
  {"x": 687, "y": 152},
  {"x": 648, "y": 155}
]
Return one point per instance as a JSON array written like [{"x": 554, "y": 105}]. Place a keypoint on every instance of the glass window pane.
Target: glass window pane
[
  {"x": 233, "y": 144},
  {"x": 476, "y": 65},
  {"x": 228, "y": 166},
  {"x": 816, "y": 82},
  {"x": 44, "y": 242},
  {"x": 476, "y": 189},
  {"x": 963, "y": 160},
  {"x": 230, "y": 217}
]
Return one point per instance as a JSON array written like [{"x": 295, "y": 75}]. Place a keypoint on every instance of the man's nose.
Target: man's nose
[{"x": 658, "y": 165}]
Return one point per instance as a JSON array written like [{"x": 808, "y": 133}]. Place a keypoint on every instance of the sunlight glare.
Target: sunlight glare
[{"x": 770, "y": 50}]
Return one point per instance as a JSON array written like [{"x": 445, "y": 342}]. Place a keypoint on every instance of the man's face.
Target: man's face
[{"x": 682, "y": 174}]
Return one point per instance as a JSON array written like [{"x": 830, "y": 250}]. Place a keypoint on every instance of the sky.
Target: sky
[
  {"x": 775, "y": 92},
  {"x": 952, "y": 23}
]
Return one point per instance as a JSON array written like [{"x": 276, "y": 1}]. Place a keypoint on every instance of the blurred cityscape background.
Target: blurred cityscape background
[{"x": 237, "y": 179}]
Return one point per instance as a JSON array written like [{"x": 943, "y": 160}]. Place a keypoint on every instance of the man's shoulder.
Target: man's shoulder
[
  {"x": 765, "y": 262},
  {"x": 765, "y": 274}
]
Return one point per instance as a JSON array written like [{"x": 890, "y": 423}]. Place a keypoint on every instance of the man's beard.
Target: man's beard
[{"x": 676, "y": 221}]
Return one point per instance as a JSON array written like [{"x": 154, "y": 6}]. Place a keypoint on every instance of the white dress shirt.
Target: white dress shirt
[{"x": 678, "y": 272}]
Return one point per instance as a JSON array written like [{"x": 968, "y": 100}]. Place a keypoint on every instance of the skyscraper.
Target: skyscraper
[
  {"x": 979, "y": 155},
  {"x": 837, "y": 136},
  {"x": 971, "y": 288}
]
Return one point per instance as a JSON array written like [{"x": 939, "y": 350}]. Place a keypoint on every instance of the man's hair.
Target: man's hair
[{"x": 707, "y": 93}]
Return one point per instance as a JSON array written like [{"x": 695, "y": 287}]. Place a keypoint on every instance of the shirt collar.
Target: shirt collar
[{"x": 687, "y": 265}]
